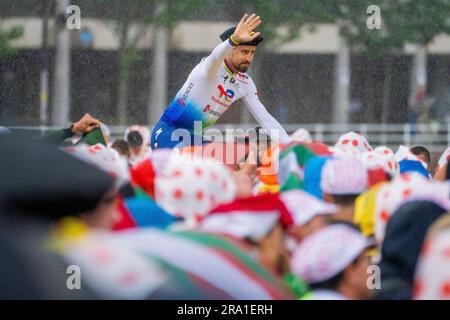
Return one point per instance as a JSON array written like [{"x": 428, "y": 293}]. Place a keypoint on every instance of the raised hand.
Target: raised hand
[
  {"x": 244, "y": 30},
  {"x": 86, "y": 124}
]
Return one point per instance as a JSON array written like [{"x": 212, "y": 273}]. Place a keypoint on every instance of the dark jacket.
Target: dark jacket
[{"x": 405, "y": 234}]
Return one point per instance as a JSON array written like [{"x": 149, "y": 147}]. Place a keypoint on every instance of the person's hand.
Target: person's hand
[
  {"x": 244, "y": 184},
  {"x": 244, "y": 30},
  {"x": 85, "y": 124}
]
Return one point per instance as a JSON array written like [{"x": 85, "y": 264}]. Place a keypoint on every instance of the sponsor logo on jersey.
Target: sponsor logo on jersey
[
  {"x": 243, "y": 78},
  {"x": 226, "y": 95},
  {"x": 219, "y": 102},
  {"x": 186, "y": 94},
  {"x": 215, "y": 113},
  {"x": 225, "y": 78},
  {"x": 212, "y": 112},
  {"x": 158, "y": 132}
]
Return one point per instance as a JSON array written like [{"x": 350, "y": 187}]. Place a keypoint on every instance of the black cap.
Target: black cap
[
  {"x": 227, "y": 33},
  {"x": 39, "y": 179}
]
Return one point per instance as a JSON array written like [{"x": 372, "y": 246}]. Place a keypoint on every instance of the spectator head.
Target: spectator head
[
  {"x": 342, "y": 181},
  {"x": 334, "y": 258},
  {"x": 191, "y": 187},
  {"x": 309, "y": 213},
  {"x": 42, "y": 181},
  {"x": 433, "y": 268},
  {"x": 122, "y": 147},
  {"x": 259, "y": 222},
  {"x": 134, "y": 139},
  {"x": 405, "y": 235},
  {"x": 422, "y": 153}
]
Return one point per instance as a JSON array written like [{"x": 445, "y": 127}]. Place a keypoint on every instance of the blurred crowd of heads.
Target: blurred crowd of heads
[{"x": 169, "y": 224}]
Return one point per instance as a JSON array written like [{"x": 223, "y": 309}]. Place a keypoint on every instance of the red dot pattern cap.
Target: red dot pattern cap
[
  {"x": 327, "y": 252},
  {"x": 353, "y": 141},
  {"x": 344, "y": 176},
  {"x": 191, "y": 187},
  {"x": 404, "y": 188},
  {"x": 432, "y": 278},
  {"x": 304, "y": 206}
]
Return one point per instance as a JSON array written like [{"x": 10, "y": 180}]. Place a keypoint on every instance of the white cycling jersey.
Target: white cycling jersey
[{"x": 211, "y": 88}]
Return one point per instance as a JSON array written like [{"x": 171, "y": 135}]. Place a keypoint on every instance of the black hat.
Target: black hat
[
  {"x": 227, "y": 33},
  {"x": 38, "y": 179}
]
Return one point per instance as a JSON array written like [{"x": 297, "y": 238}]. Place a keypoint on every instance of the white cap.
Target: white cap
[
  {"x": 344, "y": 176},
  {"x": 355, "y": 141},
  {"x": 444, "y": 158},
  {"x": 304, "y": 206},
  {"x": 301, "y": 135},
  {"x": 432, "y": 279},
  {"x": 327, "y": 252}
]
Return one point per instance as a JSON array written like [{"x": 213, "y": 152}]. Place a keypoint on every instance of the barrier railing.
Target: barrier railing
[{"x": 435, "y": 137}]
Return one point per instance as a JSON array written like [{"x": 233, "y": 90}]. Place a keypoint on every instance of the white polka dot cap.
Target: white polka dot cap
[
  {"x": 191, "y": 187},
  {"x": 304, "y": 206},
  {"x": 346, "y": 175},
  {"x": 354, "y": 141},
  {"x": 432, "y": 278},
  {"x": 327, "y": 252}
]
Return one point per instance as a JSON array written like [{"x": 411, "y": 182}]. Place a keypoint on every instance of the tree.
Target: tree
[
  {"x": 423, "y": 21},
  {"x": 130, "y": 21},
  {"x": 166, "y": 16},
  {"x": 282, "y": 22},
  {"x": 403, "y": 22},
  {"x": 6, "y": 36},
  {"x": 354, "y": 17}
]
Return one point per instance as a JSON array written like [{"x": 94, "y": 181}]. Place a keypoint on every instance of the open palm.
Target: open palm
[{"x": 244, "y": 30}]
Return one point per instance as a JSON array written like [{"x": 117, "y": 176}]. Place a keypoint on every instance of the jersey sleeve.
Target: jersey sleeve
[
  {"x": 260, "y": 113},
  {"x": 210, "y": 65}
]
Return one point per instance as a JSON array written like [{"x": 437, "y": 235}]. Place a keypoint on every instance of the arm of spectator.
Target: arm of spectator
[{"x": 84, "y": 125}]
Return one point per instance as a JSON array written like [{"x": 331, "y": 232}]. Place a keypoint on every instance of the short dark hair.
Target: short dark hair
[
  {"x": 417, "y": 150},
  {"x": 330, "y": 284},
  {"x": 134, "y": 139},
  {"x": 334, "y": 282},
  {"x": 122, "y": 147},
  {"x": 344, "y": 199}
]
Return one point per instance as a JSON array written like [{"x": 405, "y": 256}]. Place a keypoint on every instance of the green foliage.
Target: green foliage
[
  {"x": 6, "y": 36},
  {"x": 289, "y": 14},
  {"x": 403, "y": 21},
  {"x": 182, "y": 10}
]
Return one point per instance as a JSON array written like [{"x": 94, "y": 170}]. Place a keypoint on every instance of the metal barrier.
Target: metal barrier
[{"x": 435, "y": 137}]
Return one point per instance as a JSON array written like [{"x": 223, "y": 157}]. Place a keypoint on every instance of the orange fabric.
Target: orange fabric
[{"x": 267, "y": 173}]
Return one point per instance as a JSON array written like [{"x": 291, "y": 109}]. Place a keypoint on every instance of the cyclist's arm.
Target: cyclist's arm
[
  {"x": 211, "y": 64},
  {"x": 265, "y": 120}
]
